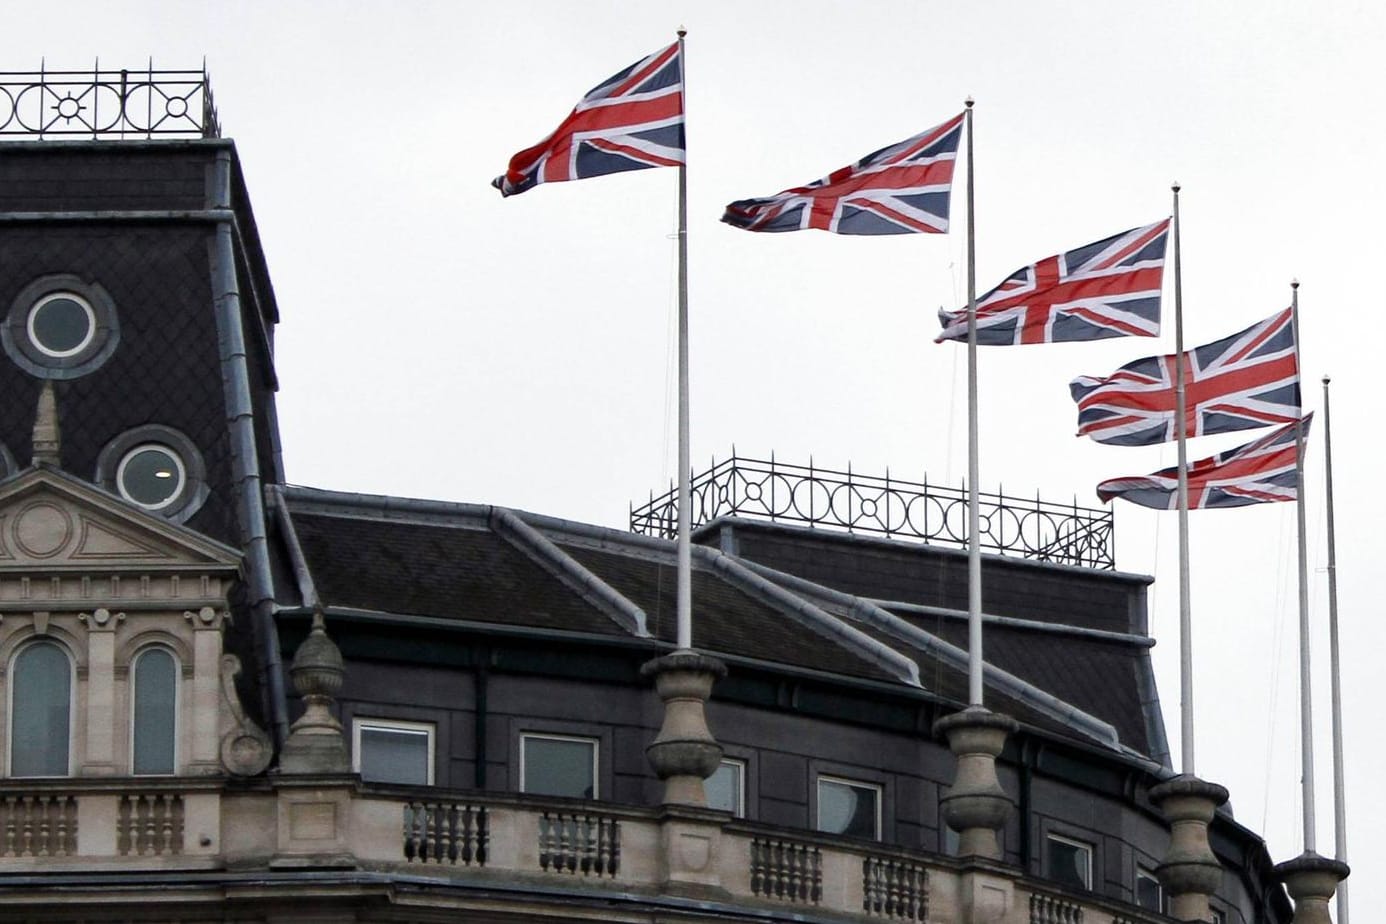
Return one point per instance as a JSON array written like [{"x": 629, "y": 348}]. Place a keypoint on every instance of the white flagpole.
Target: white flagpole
[
  {"x": 1186, "y": 726},
  {"x": 1339, "y": 789},
  {"x": 974, "y": 518},
  {"x": 1306, "y": 695},
  {"x": 685, "y": 550}
]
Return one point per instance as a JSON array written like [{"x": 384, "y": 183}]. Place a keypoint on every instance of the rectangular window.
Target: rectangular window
[
  {"x": 557, "y": 765},
  {"x": 1219, "y": 916},
  {"x": 387, "y": 751},
  {"x": 726, "y": 788},
  {"x": 1068, "y": 863},
  {"x": 849, "y": 807},
  {"x": 1148, "y": 892}
]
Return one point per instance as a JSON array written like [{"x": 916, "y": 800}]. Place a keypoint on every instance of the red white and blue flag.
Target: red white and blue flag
[
  {"x": 1110, "y": 288},
  {"x": 631, "y": 121},
  {"x": 900, "y": 189},
  {"x": 1245, "y": 381},
  {"x": 1260, "y": 472}
]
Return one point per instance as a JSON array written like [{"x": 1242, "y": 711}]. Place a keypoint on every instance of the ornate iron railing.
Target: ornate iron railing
[
  {"x": 1032, "y": 528},
  {"x": 107, "y": 103}
]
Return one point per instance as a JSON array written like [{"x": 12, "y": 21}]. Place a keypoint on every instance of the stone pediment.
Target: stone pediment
[{"x": 51, "y": 521}]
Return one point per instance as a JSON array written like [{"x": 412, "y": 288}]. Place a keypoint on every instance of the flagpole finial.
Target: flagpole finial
[
  {"x": 682, "y": 31},
  {"x": 969, "y": 102},
  {"x": 1326, "y": 380},
  {"x": 1176, "y": 187},
  {"x": 1294, "y": 283}
]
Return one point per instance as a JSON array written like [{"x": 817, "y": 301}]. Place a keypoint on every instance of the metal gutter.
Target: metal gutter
[
  {"x": 307, "y": 590},
  {"x": 385, "y": 507},
  {"x": 224, "y": 214},
  {"x": 245, "y": 469},
  {"x": 1013, "y": 622},
  {"x": 816, "y": 619},
  {"x": 1022, "y": 690},
  {"x": 537, "y": 547}
]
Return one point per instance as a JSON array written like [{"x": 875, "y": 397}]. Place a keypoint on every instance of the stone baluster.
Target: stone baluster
[
  {"x": 1189, "y": 872},
  {"x": 975, "y": 805},
  {"x": 1311, "y": 881}
]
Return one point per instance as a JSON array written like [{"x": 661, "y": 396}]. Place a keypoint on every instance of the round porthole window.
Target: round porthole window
[
  {"x": 61, "y": 327},
  {"x": 151, "y": 475},
  {"x": 61, "y": 324},
  {"x": 156, "y": 468}
]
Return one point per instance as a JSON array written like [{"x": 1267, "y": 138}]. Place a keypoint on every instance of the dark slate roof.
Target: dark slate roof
[
  {"x": 444, "y": 571},
  {"x": 726, "y": 620}
]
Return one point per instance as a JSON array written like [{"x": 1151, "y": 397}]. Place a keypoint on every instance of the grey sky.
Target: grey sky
[{"x": 440, "y": 342}]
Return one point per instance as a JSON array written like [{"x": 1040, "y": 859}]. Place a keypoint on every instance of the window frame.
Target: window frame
[
  {"x": 93, "y": 324},
  {"x": 739, "y": 809},
  {"x": 10, "y": 698},
  {"x": 1089, "y": 851},
  {"x": 877, "y": 788},
  {"x": 405, "y": 726},
  {"x": 595, "y": 743},
  {"x": 177, "y": 705},
  {"x": 180, "y": 486}
]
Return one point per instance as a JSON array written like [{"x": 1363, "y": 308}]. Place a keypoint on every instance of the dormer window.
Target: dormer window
[
  {"x": 61, "y": 327},
  {"x": 151, "y": 475},
  {"x": 157, "y": 468}
]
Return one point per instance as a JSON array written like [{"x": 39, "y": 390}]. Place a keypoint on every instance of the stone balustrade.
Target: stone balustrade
[{"x": 215, "y": 824}]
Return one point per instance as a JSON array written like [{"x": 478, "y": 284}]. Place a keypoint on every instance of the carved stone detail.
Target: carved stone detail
[
  {"x": 315, "y": 742},
  {"x": 975, "y": 805},
  {"x": 245, "y": 750},
  {"x": 684, "y": 753},
  {"x": 1311, "y": 881},
  {"x": 1190, "y": 872}
]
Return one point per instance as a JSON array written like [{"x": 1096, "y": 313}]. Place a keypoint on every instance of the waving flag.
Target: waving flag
[
  {"x": 1258, "y": 473},
  {"x": 1107, "y": 289},
  {"x": 631, "y": 121},
  {"x": 901, "y": 189},
  {"x": 1248, "y": 380}
]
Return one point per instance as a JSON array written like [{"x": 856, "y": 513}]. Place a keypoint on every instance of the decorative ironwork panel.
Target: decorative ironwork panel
[
  {"x": 775, "y": 491},
  {"x": 107, "y": 103},
  {"x": 38, "y": 826},
  {"x": 446, "y": 832},
  {"x": 1046, "y": 909},
  {"x": 579, "y": 843},
  {"x": 895, "y": 889},
  {"x": 786, "y": 870}
]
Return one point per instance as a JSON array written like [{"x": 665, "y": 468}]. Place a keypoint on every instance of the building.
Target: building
[{"x": 227, "y": 698}]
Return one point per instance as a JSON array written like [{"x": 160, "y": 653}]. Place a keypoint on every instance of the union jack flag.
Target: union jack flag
[
  {"x": 900, "y": 189},
  {"x": 631, "y": 121},
  {"x": 1260, "y": 472},
  {"x": 1245, "y": 381},
  {"x": 1107, "y": 289}
]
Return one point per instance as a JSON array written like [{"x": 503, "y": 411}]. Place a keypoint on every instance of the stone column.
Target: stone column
[
  {"x": 315, "y": 742},
  {"x": 1311, "y": 881},
  {"x": 101, "y": 721},
  {"x": 684, "y": 753},
  {"x": 1189, "y": 872},
  {"x": 975, "y": 805}
]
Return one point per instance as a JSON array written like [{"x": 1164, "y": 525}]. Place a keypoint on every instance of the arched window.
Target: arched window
[
  {"x": 40, "y": 711},
  {"x": 156, "y": 711}
]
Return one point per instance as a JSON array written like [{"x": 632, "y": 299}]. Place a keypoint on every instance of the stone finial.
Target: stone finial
[
  {"x": 1311, "y": 881},
  {"x": 315, "y": 742},
  {"x": 684, "y": 753},
  {"x": 47, "y": 438},
  {"x": 975, "y": 805},
  {"x": 1189, "y": 872}
]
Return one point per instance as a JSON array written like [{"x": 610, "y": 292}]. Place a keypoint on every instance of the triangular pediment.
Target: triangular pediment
[{"x": 51, "y": 521}]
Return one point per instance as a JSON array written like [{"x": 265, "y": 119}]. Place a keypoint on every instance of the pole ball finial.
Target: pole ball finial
[
  {"x": 1294, "y": 283},
  {"x": 969, "y": 102},
  {"x": 1326, "y": 380},
  {"x": 1175, "y": 186}
]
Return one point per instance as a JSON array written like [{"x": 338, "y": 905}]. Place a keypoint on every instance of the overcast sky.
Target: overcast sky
[{"x": 438, "y": 341}]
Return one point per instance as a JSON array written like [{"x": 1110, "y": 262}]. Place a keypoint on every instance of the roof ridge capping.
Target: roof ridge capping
[
  {"x": 1039, "y": 699},
  {"x": 534, "y": 545},
  {"x": 815, "y": 618}
]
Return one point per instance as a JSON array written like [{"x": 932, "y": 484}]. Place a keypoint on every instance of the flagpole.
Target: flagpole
[
  {"x": 1339, "y": 788},
  {"x": 685, "y": 548},
  {"x": 1306, "y": 695},
  {"x": 1186, "y": 727},
  {"x": 974, "y": 518}
]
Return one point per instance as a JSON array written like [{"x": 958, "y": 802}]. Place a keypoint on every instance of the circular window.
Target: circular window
[
  {"x": 151, "y": 475},
  {"x": 61, "y": 327},
  {"x": 61, "y": 324},
  {"x": 156, "y": 468}
]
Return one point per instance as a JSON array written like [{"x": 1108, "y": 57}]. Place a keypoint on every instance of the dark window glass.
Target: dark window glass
[
  {"x": 724, "y": 788},
  {"x": 394, "y": 755},
  {"x": 156, "y": 697},
  {"x": 848, "y": 808},
  {"x": 1148, "y": 891},
  {"x": 150, "y": 476},
  {"x": 42, "y": 711},
  {"x": 1068, "y": 864},
  {"x": 559, "y": 767},
  {"x": 61, "y": 326}
]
